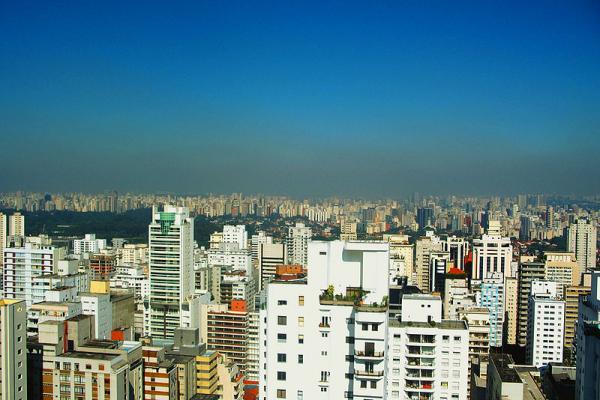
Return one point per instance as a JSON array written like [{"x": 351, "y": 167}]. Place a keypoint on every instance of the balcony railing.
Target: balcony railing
[
  {"x": 368, "y": 373},
  {"x": 375, "y": 354}
]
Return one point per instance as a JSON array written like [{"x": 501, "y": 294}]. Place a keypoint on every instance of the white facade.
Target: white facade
[
  {"x": 545, "y": 328},
  {"x": 230, "y": 256},
  {"x": 171, "y": 269},
  {"x": 427, "y": 358},
  {"x": 98, "y": 305},
  {"x": 587, "y": 384},
  {"x": 257, "y": 240},
  {"x": 23, "y": 264},
  {"x": 297, "y": 244},
  {"x": 322, "y": 347},
  {"x": 16, "y": 225},
  {"x": 581, "y": 240},
  {"x": 134, "y": 254},
  {"x": 89, "y": 244},
  {"x": 492, "y": 253},
  {"x": 236, "y": 234}
]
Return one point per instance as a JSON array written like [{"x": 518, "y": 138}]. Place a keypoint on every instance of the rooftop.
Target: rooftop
[{"x": 445, "y": 324}]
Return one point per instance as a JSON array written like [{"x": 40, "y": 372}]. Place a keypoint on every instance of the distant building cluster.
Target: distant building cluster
[{"x": 426, "y": 299}]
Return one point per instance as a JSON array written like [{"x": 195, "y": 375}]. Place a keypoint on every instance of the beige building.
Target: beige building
[
  {"x": 511, "y": 308},
  {"x": 231, "y": 379},
  {"x": 76, "y": 367},
  {"x": 13, "y": 350},
  {"x": 572, "y": 294},
  {"x": 562, "y": 267},
  {"x": 160, "y": 375}
]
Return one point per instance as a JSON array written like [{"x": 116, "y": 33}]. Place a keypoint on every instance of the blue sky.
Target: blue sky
[{"x": 308, "y": 99}]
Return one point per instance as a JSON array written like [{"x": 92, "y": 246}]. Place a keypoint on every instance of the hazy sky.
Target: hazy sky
[{"x": 373, "y": 98}]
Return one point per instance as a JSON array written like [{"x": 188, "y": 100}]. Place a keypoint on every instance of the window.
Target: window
[
  {"x": 281, "y": 375},
  {"x": 301, "y": 321},
  {"x": 457, "y": 338},
  {"x": 300, "y": 359},
  {"x": 300, "y": 300},
  {"x": 281, "y": 357},
  {"x": 349, "y": 339},
  {"x": 281, "y": 393},
  {"x": 324, "y": 352},
  {"x": 282, "y": 303},
  {"x": 375, "y": 327},
  {"x": 282, "y": 320},
  {"x": 324, "y": 376},
  {"x": 373, "y": 384},
  {"x": 365, "y": 327},
  {"x": 363, "y": 384},
  {"x": 300, "y": 339},
  {"x": 324, "y": 334},
  {"x": 281, "y": 337},
  {"x": 300, "y": 395}
]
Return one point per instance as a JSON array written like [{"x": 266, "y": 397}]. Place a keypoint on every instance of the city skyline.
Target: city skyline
[{"x": 308, "y": 100}]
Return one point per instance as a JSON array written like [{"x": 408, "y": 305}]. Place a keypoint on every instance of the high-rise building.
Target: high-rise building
[
  {"x": 425, "y": 245},
  {"x": 270, "y": 255},
  {"x": 581, "y": 240},
  {"x": 572, "y": 295},
  {"x": 425, "y": 217},
  {"x": 326, "y": 333},
  {"x": 587, "y": 384},
  {"x": 297, "y": 244},
  {"x": 23, "y": 264},
  {"x": 511, "y": 309},
  {"x": 171, "y": 271},
  {"x": 562, "y": 268},
  {"x": 528, "y": 272},
  {"x": 458, "y": 248},
  {"x": 13, "y": 352},
  {"x": 89, "y": 244},
  {"x": 16, "y": 225},
  {"x": 227, "y": 332},
  {"x": 545, "y": 324},
  {"x": 236, "y": 234},
  {"x": 427, "y": 358},
  {"x": 492, "y": 253},
  {"x": 257, "y": 240},
  {"x": 3, "y": 237},
  {"x": 492, "y": 298}
]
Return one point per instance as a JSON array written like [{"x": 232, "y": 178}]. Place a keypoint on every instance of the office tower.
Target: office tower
[
  {"x": 439, "y": 264},
  {"x": 458, "y": 248},
  {"x": 545, "y": 324},
  {"x": 528, "y": 272},
  {"x": 506, "y": 380},
  {"x": 369, "y": 214},
  {"x": 76, "y": 367},
  {"x": 326, "y": 333},
  {"x": 257, "y": 240},
  {"x": 525, "y": 228},
  {"x": 13, "y": 352},
  {"x": 89, "y": 244},
  {"x": 237, "y": 235},
  {"x": 227, "y": 332},
  {"x": 427, "y": 357},
  {"x": 270, "y": 255},
  {"x": 581, "y": 240},
  {"x": 171, "y": 273},
  {"x": 16, "y": 225},
  {"x": 572, "y": 296},
  {"x": 23, "y": 264},
  {"x": 492, "y": 298},
  {"x": 511, "y": 308},
  {"x": 425, "y": 217},
  {"x": 587, "y": 384},
  {"x": 297, "y": 244},
  {"x": 492, "y": 253}
]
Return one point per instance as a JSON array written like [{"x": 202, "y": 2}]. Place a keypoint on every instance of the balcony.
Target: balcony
[
  {"x": 374, "y": 374},
  {"x": 368, "y": 354}
]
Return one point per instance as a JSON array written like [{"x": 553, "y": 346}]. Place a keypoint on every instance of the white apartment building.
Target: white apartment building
[
  {"x": 228, "y": 255},
  {"x": 270, "y": 255},
  {"x": 427, "y": 357},
  {"x": 16, "y": 225},
  {"x": 23, "y": 264},
  {"x": 581, "y": 240},
  {"x": 545, "y": 324},
  {"x": 98, "y": 305},
  {"x": 13, "y": 350},
  {"x": 492, "y": 253},
  {"x": 171, "y": 269},
  {"x": 89, "y": 244},
  {"x": 257, "y": 240},
  {"x": 297, "y": 244},
  {"x": 324, "y": 337},
  {"x": 236, "y": 234},
  {"x": 134, "y": 254},
  {"x": 587, "y": 384}
]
